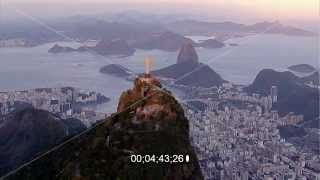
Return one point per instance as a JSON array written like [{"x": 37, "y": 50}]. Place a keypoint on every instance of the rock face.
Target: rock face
[
  {"x": 293, "y": 95},
  {"x": 163, "y": 117},
  {"x": 202, "y": 76},
  {"x": 189, "y": 72},
  {"x": 176, "y": 70},
  {"x": 188, "y": 54},
  {"x": 149, "y": 122},
  {"x": 25, "y": 133},
  {"x": 302, "y": 68}
]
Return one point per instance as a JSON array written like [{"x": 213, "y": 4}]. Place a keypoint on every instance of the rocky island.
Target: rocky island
[
  {"x": 116, "y": 70},
  {"x": 115, "y": 47},
  {"x": 211, "y": 44},
  {"x": 166, "y": 41},
  {"x": 61, "y": 49}
]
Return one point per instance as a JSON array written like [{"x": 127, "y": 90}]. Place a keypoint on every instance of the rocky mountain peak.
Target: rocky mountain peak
[
  {"x": 188, "y": 54},
  {"x": 143, "y": 86}
]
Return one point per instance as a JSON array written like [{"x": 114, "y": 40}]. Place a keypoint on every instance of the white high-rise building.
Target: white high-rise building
[{"x": 274, "y": 94}]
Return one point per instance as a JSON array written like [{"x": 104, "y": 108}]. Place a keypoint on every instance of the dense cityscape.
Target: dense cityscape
[
  {"x": 236, "y": 136},
  {"x": 66, "y": 102}
]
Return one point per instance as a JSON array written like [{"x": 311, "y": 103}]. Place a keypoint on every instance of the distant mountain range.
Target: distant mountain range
[
  {"x": 84, "y": 28},
  {"x": 133, "y": 17},
  {"x": 79, "y": 29},
  {"x": 193, "y": 27},
  {"x": 27, "y": 132},
  {"x": 166, "y": 41},
  {"x": 293, "y": 94}
]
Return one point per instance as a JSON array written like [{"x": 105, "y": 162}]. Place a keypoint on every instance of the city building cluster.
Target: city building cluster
[
  {"x": 237, "y": 137},
  {"x": 67, "y": 102},
  {"x": 13, "y": 43}
]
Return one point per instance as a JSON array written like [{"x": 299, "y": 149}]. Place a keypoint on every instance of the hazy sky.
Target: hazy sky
[{"x": 295, "y": 11}]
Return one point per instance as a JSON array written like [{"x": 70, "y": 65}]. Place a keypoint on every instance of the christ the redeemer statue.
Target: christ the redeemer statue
[{"x": 147, "y": 66}]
